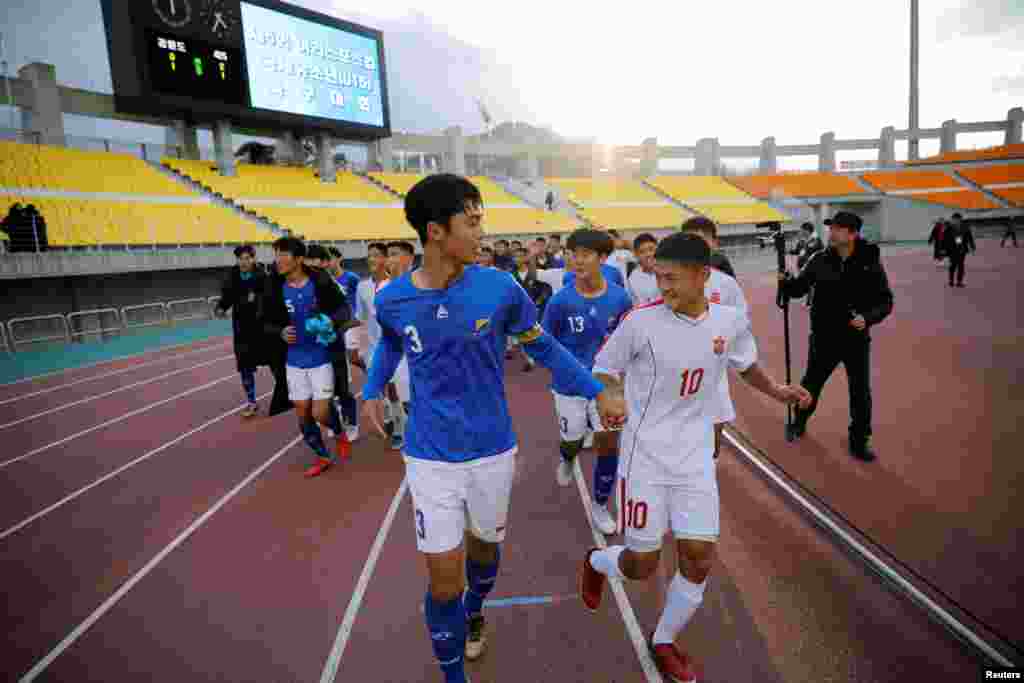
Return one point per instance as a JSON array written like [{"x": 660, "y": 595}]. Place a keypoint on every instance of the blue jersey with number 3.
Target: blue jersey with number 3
[
  {"x": 301, "y": 304},
  {"x": 454, "y": 341},
  {"x": 581, "y": 324}
]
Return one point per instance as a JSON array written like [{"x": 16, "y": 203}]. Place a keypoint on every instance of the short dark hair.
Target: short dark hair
[
  {"x": 505, "y": 242},
  {"x": 704, "y": 226},
  {"x": 486, "y": 249},
  {"x": 614, "y": 233},
  {"x": 684, "y": 248},
  {"x": 437, "y": 198},
  {"x": 290, "y": 245},
  {"x": 807, "y": 227},
  {"x": 382, "y": 247},
  {"x": 644, "y": 238},
  {"x": 588, "y": 238},
  {"x": 555, "y": 238},
  {"x": 404, "y": 246},
  {"x": 245, "y": 249},
  {"x": 334, "y": 252},
  {"x": 515, "y": 242},
  {"x": 540, "y": 239},
  {"x": 317, "y": 251}
]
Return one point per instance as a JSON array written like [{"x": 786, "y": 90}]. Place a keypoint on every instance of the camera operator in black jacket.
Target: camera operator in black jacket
[{"x": 851, "y": 295}]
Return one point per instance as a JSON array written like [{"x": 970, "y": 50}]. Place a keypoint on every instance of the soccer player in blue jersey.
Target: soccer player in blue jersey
[
  {"x": 610, "y": 272},
  {"x": 451, "y": 318},
  {"x": 295, "y": 294},
  {"x": 580, "y": 318}
]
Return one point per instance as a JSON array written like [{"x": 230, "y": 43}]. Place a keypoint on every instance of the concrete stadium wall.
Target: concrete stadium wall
[{"x": 906, "y": 219}]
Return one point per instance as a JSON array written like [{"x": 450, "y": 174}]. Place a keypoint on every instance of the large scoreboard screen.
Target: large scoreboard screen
[{"x": 258, "y": 63}]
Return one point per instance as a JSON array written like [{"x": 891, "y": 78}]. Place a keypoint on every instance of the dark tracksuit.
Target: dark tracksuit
[
  {"x": 720, "y": 261},
  {"x": 956, "y": 241},
  {"x": 858, "y": 286}
]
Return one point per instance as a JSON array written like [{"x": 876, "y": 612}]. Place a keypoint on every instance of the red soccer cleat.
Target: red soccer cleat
[
  {"x": 344, "y": 446},
  {"x": 591, "y": 583},
  {"x": 674, "y": 665},
  {"x": 321, "y": 466}
]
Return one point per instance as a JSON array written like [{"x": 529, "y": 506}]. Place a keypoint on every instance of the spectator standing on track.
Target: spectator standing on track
[
  {"x": 450, "y": 319},
  {"x": 621, "y": 255},
  {"x": 538, "y": 291},
  {"x": 851, "y": 295},
  {"x": 297, "y": 294},
  {"x": 1011, "y": 231},
  {"x": 936, "y": 238},
  {"x": 957, "y": 240},
  {"x": 241, "y": 293},
  {"x": 673, "y": 353},
  {"x": 502, "y": 259}
]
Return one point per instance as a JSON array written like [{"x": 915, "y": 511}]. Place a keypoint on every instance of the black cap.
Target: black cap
[{"x": 845, "y": 219}]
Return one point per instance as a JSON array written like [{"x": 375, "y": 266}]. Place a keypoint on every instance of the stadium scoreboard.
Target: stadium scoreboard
[{"x": 257, "y": 63}]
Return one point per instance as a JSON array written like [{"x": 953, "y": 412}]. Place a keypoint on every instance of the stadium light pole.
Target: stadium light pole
[{"x": 912, "y": 144}]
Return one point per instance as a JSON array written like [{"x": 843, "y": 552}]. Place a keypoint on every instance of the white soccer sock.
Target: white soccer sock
[
  {"x": 607, "y": 561},
  {"x": 682, "y": 601},
  {"x": 399, "y": 418}
]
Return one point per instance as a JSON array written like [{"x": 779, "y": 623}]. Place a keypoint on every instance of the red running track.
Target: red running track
[{"x": 259, "y": 590}]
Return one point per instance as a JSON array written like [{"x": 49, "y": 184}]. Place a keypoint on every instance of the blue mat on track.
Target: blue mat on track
[{"x": 30, "y": 361}]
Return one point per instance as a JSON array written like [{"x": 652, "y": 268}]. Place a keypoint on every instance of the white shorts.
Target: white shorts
[
  {"x": 648, "y": 510},
  {"x": 449, "y": 498},
  {"x": 310, "y": 383},
  {"x": 575, "y": 416}
]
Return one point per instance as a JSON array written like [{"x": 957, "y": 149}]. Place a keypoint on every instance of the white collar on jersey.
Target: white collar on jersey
[{"x": 687, "y": 319}]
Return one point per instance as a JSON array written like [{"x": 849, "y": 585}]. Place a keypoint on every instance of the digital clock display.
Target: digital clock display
[{"x": 192, "y": 68}]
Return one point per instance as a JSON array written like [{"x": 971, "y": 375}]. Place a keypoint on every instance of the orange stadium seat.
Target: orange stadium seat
[{"x": 810, "y": 184}]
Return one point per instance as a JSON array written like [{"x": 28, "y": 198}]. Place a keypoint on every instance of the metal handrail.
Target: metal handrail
[
  {"x": 182, "y": 302},
  {"x": 162, "y": 307},
  {"x": 35, "y": 340},
  {"x": 97, "y": 312}
]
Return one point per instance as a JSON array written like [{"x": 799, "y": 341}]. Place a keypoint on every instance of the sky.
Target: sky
[{"x": 732, "y": 69}]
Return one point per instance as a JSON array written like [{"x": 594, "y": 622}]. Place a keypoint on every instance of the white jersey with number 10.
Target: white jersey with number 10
[{"x": 674, "y": 366}]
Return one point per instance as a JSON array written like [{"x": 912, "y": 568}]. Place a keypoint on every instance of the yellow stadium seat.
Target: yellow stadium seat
[
  {"x": 603, "y": 190},
  {"x": 635, "y": 218}
]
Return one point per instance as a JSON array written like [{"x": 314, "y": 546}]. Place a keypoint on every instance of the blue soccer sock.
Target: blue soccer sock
[
  {"x": 249, "y": 383},
  {"x": 605, "y": 468},
  {"x": 480, "y": 578},
  {"x": 314, "y": 439},
  {"x": 447, "y": 624}
]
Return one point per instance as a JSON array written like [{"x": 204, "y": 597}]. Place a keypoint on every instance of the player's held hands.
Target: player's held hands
[{"x": 611, "y": 406}]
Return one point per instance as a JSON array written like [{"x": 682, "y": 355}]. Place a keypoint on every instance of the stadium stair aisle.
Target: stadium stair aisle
[{"x": 937, "y": 187}]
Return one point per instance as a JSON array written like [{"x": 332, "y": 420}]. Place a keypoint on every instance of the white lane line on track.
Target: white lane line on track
[
  {"x": 112, "y": 373},
  {"x": 126, "y": 387},
  {"x": 110, "y": 475},
  {"x": 43, "y": 375},
  {"x": 345, "y": 630},
  {"x": 109, "y": 603},
  {"x": 115, "y": 420},
  {"x": 625, "y": 608}
]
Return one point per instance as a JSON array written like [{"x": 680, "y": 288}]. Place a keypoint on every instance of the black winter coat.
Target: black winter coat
[
  {"x": 243, "y": 298},
  {"x": 844, "y": 289}
]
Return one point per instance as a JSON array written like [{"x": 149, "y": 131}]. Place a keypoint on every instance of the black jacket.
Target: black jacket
[
  {"x": 330, "y": 300},
  {"x": 954, "y": 247},
  {"x": 842, "y": 290},
  {"x": 243, "y": 298},
  {"x": 720, "y": 261}
]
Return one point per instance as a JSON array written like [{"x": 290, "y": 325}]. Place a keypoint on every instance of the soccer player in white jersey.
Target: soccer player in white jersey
[
  {"x": 721, "y": 289},
  {"x": 401, "y": 256},
  {"x": 641, "y": 284},
  {"x": 673, "y": 352},
  {"x": 450, "y": 318},
  {"x": 365, "y": 313}
]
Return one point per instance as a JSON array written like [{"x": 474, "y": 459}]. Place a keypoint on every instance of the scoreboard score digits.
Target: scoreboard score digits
[
  {"x": 191, "y": 68},
  {"x": 257, "y": 63}
]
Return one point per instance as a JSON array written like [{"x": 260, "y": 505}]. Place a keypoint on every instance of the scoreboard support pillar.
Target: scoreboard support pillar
[
  {"x": 42, "y": 113},
  {"x": 185, "y": 138},
  {"x": 325, "y": 158},
  {"x": 223, "y": 149}
]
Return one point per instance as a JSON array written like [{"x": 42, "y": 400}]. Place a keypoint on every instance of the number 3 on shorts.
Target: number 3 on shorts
[{"x": 421, "y": 529}]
